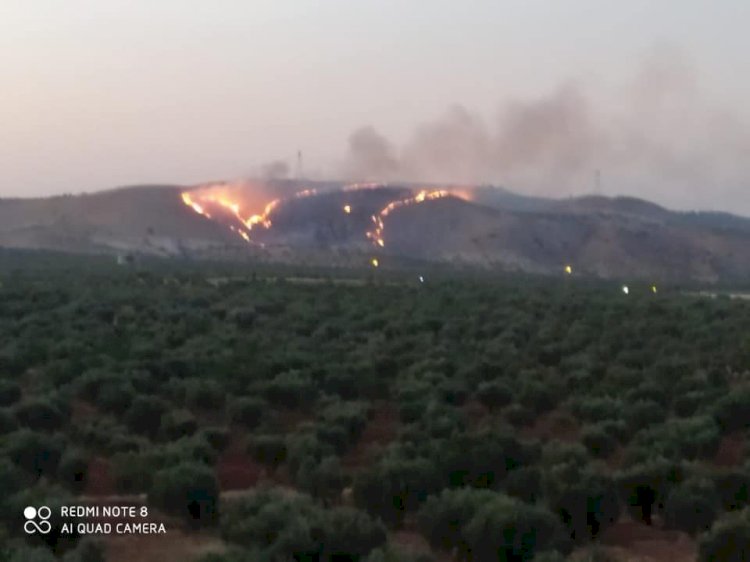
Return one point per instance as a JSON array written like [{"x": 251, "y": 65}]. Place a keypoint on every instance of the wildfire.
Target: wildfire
[
  {"x": 190, "y": 203},
  {"x": 376, "y": 234},
  {"x": 202, "y": 199},
  {"x": 216, "y": 199}
]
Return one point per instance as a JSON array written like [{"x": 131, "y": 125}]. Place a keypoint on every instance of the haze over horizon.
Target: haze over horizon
[{"x": 529, "y": 95}]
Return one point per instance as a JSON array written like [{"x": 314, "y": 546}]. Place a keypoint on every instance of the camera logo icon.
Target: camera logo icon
[{"x": 37, "y": 520}]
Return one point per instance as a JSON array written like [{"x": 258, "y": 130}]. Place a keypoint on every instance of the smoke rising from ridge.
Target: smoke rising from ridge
[{"x": 659, "y": 138}]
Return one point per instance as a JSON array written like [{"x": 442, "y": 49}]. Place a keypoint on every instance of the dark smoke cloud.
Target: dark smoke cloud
[
  {"x": 656, "y": 138},
  {"x": 278, "y": 169}
]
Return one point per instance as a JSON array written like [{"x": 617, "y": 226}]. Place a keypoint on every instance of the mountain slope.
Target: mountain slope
[{"x": 606, "y": 237}]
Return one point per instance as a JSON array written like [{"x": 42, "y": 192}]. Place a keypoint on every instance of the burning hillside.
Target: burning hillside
[
  {"x": 329, "y": 223},
  {"x": 236, "y": 206}
]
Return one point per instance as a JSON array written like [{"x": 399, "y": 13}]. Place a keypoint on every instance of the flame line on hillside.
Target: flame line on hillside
[
  {"x": 377, "y": 234},
  {"x": 199, "y": 202}
]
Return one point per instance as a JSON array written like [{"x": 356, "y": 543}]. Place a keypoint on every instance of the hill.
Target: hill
[{"x": 329, "y": 222}]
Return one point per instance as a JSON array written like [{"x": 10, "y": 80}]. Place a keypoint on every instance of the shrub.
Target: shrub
[
  {"x": 485, "y": 525},
  {"x": 351, "y": 534},
  {"x": 217, "y": 437},
  {"x": 36, "y": 453},
  {"x": 268, "y": 449},
  {"x": 290, "y": 389},
  {"x": 595, "y": 409},
  {"x": 177, "y": 424},
  {"x": 648, "y": 484},
  {"x": 537, "y": 397},
  {"x": 303, "y": 447},
  {"x": 144, "y": 415},
  {"x": 586, "y": 501},
  {"x": 453, "y": 391},
  {"x": 680, "y": 438},
  {"x": 73, "y": 469},
  {"x": 733, "y": 488},
  {"x": 11, "y": 479},
  {"x": 39, "y": 414},
  {"x": 524, "y": 483},
  {"x": 8, "y": 421},
  {"x": 285, "y": 525},
  {"x": 115, "y": 397},
  {"x": 442, "y": 517},
  {"x": 691, "y": 507},
  {"x": 688, "y": 404},
  {"x": 188, "y": 490},
  {"x": 598, "y": 441},
  {"x": 518, "y": 415},
  {"x": 247, "y": 411},
  {"x": 732, "y": 411},
  {"x": 133, "y": 472},
  {"x": 323, "y": 479},
  {"x": 203, "y": 394},
  {"x": 10, "y": 392},
  {"x": 728, "y": 540},
  {"x": 396, "y": 485},
  {"x": 494, "y": 394},
  {"x": 644, "y": 413}
]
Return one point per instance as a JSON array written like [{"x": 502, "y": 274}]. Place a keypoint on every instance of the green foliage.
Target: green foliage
[
  {"x": 685, "y": 438},
  {"x": 732, "y": 411},
  {"x": 644, "y": 413},
  {"x": 268, "y": 449},
  {"x": 283, "y": 525},
  {"x": 598, "y": 440},
  {"x": 691, "y": 506},
  {"x": 487, "y": 526},
  {"x": 10, "y": 392},
  {"x": 8, "y": 421},
  {"x": 39, "y": 414},
  {"x": 646, "y": 486},
  {"x": 376, "y": 393},
  {"x": 73, "y": 469},
  {"x": 144, "y": 415},
  {"x": 188, "y": 490},
  {"x": 494, "y": 394},
  {"x": 291, "y": 389},
  {"x": 203, "y": 394},
  {"x": 321, "y": 479},
  {"x": 728, "y": 540},
  {"x": 37, "y": 453},
  {"x": 178, "y": 423},
  {"x": 247, "y": 411},
  {"x": 733, "y": 488}
]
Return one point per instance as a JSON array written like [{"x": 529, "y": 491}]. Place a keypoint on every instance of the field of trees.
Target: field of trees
[{"x": 378, "y": 419}]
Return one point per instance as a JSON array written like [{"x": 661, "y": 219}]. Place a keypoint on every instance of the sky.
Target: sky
[{"x": 534, "y": 95}]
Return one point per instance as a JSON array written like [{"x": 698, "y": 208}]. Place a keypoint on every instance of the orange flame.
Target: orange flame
[
  {"x": 199, "y": 200},
  {"x": 377, "y": 234}
]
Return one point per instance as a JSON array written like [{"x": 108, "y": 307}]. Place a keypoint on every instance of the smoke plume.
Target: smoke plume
[{"x": 656, "y": 137}]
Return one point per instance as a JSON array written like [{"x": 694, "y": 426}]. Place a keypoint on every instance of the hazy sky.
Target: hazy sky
[{"x": 102, "y": 93}]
